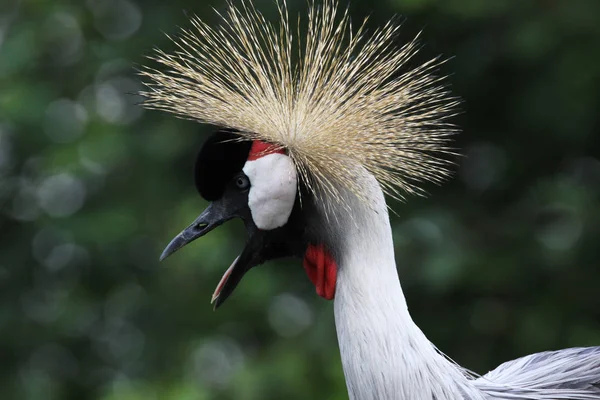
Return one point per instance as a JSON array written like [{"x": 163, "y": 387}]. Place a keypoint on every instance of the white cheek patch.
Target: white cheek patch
[{"x": 272, "y": 191}]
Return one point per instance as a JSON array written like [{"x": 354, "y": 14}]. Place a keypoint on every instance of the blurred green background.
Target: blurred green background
[{"x": 500, "y": 262}]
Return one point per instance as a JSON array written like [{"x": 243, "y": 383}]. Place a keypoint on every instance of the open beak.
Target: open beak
[{"x": 213, "y": 216}]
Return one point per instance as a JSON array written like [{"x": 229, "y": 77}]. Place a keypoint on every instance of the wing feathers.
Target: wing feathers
[{"x": 572, "y": 374}]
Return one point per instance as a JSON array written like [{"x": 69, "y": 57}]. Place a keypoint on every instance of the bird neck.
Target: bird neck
[{"x": 384, "y": 354}]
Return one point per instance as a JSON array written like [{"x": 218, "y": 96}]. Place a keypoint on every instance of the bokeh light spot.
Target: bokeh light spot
[
  {"x": 61, "y": 195},
  {"x": 215, "y": 361},
  {"x": 65, "y": 120},
  {"x": 116, "y": 19},
  {"x": 63, "y": 38},
  {"x": 289, "y": 315}
]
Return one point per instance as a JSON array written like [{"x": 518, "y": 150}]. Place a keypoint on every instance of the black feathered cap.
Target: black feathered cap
[{"x": 222, "y": 156}]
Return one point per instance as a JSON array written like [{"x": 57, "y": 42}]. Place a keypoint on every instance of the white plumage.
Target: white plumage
[
  {"x": 356, "y": 123},
  {"x": 270, "y": 204}
]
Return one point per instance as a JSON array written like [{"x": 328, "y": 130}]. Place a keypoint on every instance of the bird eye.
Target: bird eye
[{"x": 242, "y": 182}]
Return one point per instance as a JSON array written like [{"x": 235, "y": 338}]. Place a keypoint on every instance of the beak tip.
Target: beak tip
[
  {"x": 166, "y": 253},
  {"x": 216, "y": 301},
  {"x": 175, "y": 244}
]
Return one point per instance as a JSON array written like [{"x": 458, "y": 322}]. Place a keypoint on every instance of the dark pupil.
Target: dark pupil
[{"x": 242, "y": 182}]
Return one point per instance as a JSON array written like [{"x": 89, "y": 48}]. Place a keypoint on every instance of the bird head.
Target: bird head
[
  {"x": 301, "y": 116},
  {"x": 256, "y": 182}
]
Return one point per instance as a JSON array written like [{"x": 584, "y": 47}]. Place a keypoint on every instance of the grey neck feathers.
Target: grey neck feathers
[{"x": 384, "y": 354}]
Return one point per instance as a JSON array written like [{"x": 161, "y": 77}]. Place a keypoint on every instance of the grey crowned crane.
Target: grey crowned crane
[{"x": 314, "y": 130}]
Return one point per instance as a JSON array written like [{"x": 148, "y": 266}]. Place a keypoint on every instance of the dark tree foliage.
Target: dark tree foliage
[{"x": 500, "y": 262}]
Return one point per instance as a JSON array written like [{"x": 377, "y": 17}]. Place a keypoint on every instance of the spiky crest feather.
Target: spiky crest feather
[{"x": 342, "y": 101}]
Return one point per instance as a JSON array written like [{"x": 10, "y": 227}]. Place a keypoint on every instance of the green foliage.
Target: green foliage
[{"x": 500, "y": 262}]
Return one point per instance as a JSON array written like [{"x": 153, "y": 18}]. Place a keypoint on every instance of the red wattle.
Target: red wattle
[
  {"x": 321, "y": 270},
  {"x": 260, "y": 149}
]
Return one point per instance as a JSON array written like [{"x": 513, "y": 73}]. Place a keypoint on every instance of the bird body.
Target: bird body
[{"x": 308, "y": 151}]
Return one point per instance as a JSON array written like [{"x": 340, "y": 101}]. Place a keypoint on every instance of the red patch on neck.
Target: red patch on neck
[
  {"x": 321, "y": 270},
  {"x": 260, "y": 149}
]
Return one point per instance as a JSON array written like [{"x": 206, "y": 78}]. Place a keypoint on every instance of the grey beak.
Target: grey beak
[{"x": 206, "y": 222}]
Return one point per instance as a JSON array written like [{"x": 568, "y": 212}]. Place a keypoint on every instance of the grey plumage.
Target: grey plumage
[{"x": 572, "y": 374}]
